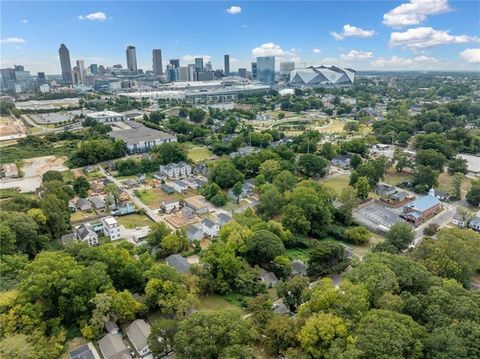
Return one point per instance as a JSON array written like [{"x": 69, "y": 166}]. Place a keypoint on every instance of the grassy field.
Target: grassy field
[
  {"x": 198, "y": 154},
  {"x": 154, "y": 196},
  {"x": 134, "y": 220},
  {"x": 445, "y": 184},
  {"x": 298, "y": 253},
  {"x": 336, "y": 183},
  {"x": 214, "y": 302},
  {"x": 394, "y": 178},
  {"x": 15, "y": 153},
  {"x": 82, "y": 216}
]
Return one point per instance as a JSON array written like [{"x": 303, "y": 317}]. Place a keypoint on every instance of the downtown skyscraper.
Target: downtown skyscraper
[
  {"x": 65, "y": 64},
  {"x": 157, "y": 62},
  {"x": 132, "y": 58},
  {"x": 226, "y": 63}
]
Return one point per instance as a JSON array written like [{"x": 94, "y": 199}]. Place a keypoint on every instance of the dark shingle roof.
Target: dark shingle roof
[{"x": 178, "y": 262}]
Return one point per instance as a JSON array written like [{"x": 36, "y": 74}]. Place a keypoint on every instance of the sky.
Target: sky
[{"x": 363, "y": 35}]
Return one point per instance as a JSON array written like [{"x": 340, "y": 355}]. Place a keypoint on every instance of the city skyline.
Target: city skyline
[{"x": 400, "y": 35}]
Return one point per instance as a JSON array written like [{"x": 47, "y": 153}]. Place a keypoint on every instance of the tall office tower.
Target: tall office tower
[
  {"x": 286, "y": 69},
  {"x": 76, "y": 75},
  {"x": 242, "y": 72},
  {"x": 81, "y": 71},
  {"x": 191, "y": 72},
  {"x": 132, "y": 58},
  {"x": 198, "y": 64},
  {"x": 157, "y": 62},
  {"x": 65, "y": 64},
  {"x": 254, "y": 70},
  {"x": 183, "y": 73},
  {"x": 266, "y": 69},
  {"x": 101, "y": 70},
  {"x": 175, "y": 63},
  {"x": 226, "y": 65},
  {"x": 94, "y": 69},
  {"x": 208, "y": 66},
  {"x": 41, "y": 79}
]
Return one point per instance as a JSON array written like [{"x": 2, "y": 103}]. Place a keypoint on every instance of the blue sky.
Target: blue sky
[{"x": 382, "y": 35}]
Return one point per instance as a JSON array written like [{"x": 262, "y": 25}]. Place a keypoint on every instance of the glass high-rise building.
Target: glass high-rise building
[
  {"x": 199, "y": 63},
  {"x": 131, "y": 58},
  {"x": 254, "y": 70},
  {"x": 157, "y": 62},
  {"x": 175, "y": 63},
  {"x": 266, "y": 69},
  {"x": 65, "y": 64},
  {"x": 226, "y": 62}
]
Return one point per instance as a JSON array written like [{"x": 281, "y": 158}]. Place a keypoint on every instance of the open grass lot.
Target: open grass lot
[
  {"x": 336, "y": 183},
  {"x": 445, "y": 184},
  {"x": 134, "y": 220},
  {"x": 215, "y": 302},
  {"x": 392, "y": 177},
  {"x": 335, "y": 126},
  {"x": 298, "y": 253},
  {"x": 199, "y": 154},
  {"x": 152, "y": 197},
  {"x": 79, "y": 216},
  {"x": 14, "y": 153}
]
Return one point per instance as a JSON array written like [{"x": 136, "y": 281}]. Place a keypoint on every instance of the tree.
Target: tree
[
  {"x": 348, "y": 201},
  {"x": 270, "y": 169},
  {"x": 281, "y": 115},
  {"x": 124, "y": 306},
  {"x": 169, "y": 152},
  {"x": 281, "y": 333},
  {"x": 160, "y": 340},
  {"x": 401, "y": 160},
  {"x": 285, "y": 181},
  {"x": 432, "y": 159},
  {"x": 225, "y": 175},
  {"x": 52, "y": 176},
  {"x": 18, "y": 346},
  {"x": 282, "y": 266},
  {"x": 263, "y": 246},
  {"x": 271, "y": 202},
  {"x": 237, "y": 190},
  {"x": 327, "y": 258},
  {"x": 473, "y": 195},
  {"x": 362, "y": 187},
  {"x": 356, "y": 161},
  {"x": 327, "y": 151},
  {"x": 174, "y": 243},
  {"x": 27, "y": 237},
  {"x": 358, "y": 235},
  {"x": 158, "y": 231},
  {"x": 295, "y": 219},
  {"x": 457, "y": 165},
  {"x": 260, "y": 309},
  {"x": 57, "y": 215},
  {"x": 294, "y": 291},
  {"x": 81, "y": 186},
  {"x": 211, "y": 334},
  {"x": 312, "y": 165},
  {"x": 320, "y": 332},
  {"x": 196, "y": 115},
  {"x": 457, "y": 179},
  {"x": 424, "y": 178},
  {"x": 351, "y": 126},
  {"x": 400, "y": 235},
  {"x": 7, "y": 239},
  {"x": 386, "y": 334}
]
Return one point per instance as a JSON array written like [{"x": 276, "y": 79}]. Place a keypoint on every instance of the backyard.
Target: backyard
[
  {"x": 199, "y": 154},
  {"x": 152, "y": 197},
  {"x": 134, "y": 220},
  {"x": 337, "y": 183}
]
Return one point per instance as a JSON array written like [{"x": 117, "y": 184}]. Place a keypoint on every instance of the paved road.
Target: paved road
[{"x": 441, "y": 219}]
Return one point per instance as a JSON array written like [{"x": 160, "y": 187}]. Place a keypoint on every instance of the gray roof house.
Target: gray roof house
[
  {"x": 267, "y": 278},
  {"x": 112, "y": 327},
  {"x": 385, "y": 190},
  {"x": 224, "y": 218},
  {"x": 97, "y": 202},
  {"x": 86, "y": 351},
  {"x": 178, "y": 262},
  {"x": 194, "y": 232},
  {"x": 112, "y": 347},
  {"x": 83, "y": 204},
  {"x": 298, "y": 267},
  {"x": 138, "y": 333},
  {"x": 342, "y": 161}
]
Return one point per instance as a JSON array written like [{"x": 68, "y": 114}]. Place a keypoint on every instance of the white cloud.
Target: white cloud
[
  {"x": 234, "y": 60},
  {"x": 94, "y": 16},
  {"x": 352, "y": 31},
  {"x": 471, "y": 56},
  {"x": 234, "y": 10},
  {"x": 316, "y": 51},
  {"x": 355, "y": 55},
  {"x": 423, "y": 37},
  {"x": 24, "y": 21},
  {"x": 12, "y": 40},
  {"x": 397, "y": 62},
  {"x": 414, "y": 12},
  {"x": 268, "y": 49},
  {"x": 190, "y": 58}
]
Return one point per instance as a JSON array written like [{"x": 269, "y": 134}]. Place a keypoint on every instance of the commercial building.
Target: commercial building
[
  {"x": 107, "y": 116},
  {"x": 191, "y": 72},
  {"x": 176, "y": 170},
  {"x": 266, "y": 69},
  {"x": 286, "y": 69},
  {"x": 421, "y": 209},
  {"x": 157, "y": 62},
  {"x": 226, "y": 65},
  {"x": 254, "y": 70},
  {"x": 131, "y": 58},
  {"x": 175, "y": 63},
  {"x": 205, "y": 75},
  {"x": 242, "y": 72},
  {"x": 322, "y": 76},
  {"x": 199, "y": 64},
  {"x": 183, "y": 73},
  {"x": 81, "y": 72},
  {"x": 65, "y": 64},
  {"x": 139, "y": 138}
]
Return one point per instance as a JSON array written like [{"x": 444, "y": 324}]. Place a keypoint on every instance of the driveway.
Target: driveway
[{"x": 441, "y": 219}]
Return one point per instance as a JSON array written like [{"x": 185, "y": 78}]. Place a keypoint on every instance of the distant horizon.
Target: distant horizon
[{"x": 408, "y": 35}]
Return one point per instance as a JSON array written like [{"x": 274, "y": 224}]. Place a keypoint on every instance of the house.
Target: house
[
  {"x": 178, "y": 262},
  {"x": 459, "y": 220},
  {"x": 192, "y": 183},
  {"x": 124, "y": 196},
  {"x": 267, "y": 278},
  {"x": 223, "y": 219},
  {"x": 167, "y": 189},
  {"x": 188, "y": 213},
  {"x": 342, "y": 161},
  {"x": 385, "y": 190},
  {"x": 130, "y": 183},
  {"x": 138, "y": 333},
  {"x": 197, "y": 203},
  {"x": 112, "y": 347},
  {"x": 123, "y": 209},
  {"x": 111, "y": 327},
  {"x": 210, "y": 228},
  {"x": 176, "y": 170},
  {"x": 195, "y": 232},
  {"x": 400, "y": 196},
  {"x": 422, "y": 208},
  {"x": 86, "y": 351},
  {"x": 9, "y": 170},
  {"x": 170, "y": 205},
  {"x": 159, "y": 176},
  {"x": 279, "y": 308},
  {"x": 179, "y": 186},
  {"x": 243, "y": 151},
  {"x": 475, "y": 223},
  {"x": 248, "y": 188},
  {"x": 141, "y": 178},
  {"x": 86, "y": 233},
  {"x": 68, "y": 238},
  {"x": 298, "y": 267},
  {"x": 71, "y": 207},
  {"x": 442, "y": 196},
  {"x": 97, "y": 202},
  {"x": 84, "y": 205},
  {"x": 111, "y": 228}
]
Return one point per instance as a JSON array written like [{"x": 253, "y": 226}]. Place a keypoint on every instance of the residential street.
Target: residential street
[{"x": 441, "y": 219}]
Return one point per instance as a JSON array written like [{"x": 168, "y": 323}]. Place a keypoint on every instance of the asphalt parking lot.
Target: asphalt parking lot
[{"x": 376, "y": 216}]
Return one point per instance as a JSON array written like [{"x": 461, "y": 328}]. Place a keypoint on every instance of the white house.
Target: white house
[
  {"x": 176, "y": 170},
  {"x": 85, "y": 232},
  {"x": 179, "y": 186},
  {"x": 210, "y": 228},
  {"x": 170, "y": 205},
  {"x": 475, "y": 223},
  {"x": 111, "y": 228},
  {"x": 138, "y": 333}
]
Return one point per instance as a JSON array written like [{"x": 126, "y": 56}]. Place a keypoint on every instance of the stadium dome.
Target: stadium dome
[{"x": 322, "y": 76}]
